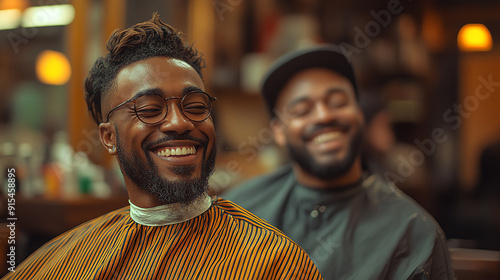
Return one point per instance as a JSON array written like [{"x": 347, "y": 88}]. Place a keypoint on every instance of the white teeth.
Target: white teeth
[
  {"x": 177, "y": 151},
  {"x": 325, "y": 137}
]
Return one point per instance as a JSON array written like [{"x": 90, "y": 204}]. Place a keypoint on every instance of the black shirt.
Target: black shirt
[{"x": 369, "y": 230}]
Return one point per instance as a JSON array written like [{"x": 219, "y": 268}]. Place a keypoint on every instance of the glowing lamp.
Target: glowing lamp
[
  {"x": 52, "y": 68},
  {"x": 20, "y": 5},
  {"x": 474, "y": 38},
  {"x": 9, "y": 19},
  {"x": 53, "y": 15}
]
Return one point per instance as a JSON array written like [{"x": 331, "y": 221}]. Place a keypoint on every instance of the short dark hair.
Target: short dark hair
[{"x": 152, "y": 38}]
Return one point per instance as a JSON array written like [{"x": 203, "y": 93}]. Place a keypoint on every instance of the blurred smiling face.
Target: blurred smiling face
[
  {"x": 323, "y": 129},
  {"x": 173, "y": 159}
]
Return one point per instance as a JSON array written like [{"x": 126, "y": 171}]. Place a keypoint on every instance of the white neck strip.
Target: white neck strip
[{"x": 170, "y": 214}]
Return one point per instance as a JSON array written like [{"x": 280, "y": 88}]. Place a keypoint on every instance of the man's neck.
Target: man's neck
[
  {"x": 170, "y": 213},
  {"x": 350, "y": 177}
]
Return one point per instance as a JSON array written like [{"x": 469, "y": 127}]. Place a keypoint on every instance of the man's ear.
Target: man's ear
[
  {"x": 279, "y": 131},
  {"x": 108, "y": 137}
]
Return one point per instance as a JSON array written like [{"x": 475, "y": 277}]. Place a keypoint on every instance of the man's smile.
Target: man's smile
[
  {"x": 176, "y": 151},
  {"x": 326, "y": 137}
]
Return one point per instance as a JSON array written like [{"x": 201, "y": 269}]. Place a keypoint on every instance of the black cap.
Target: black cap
[{"x": 281, "y": 71}]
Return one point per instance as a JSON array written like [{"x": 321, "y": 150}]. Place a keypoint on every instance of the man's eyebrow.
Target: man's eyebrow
[
  {"x": 148, "y": 91},
  {"x": 298, "y": 100},
  {"x": 335, "y": 90},
  {"x": 329, "y": 91},
  {"x": 190, "y": 89},
  {"x": 158, "y": 91}
]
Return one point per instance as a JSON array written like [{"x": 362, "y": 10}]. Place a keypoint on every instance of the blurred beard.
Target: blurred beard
[
  {"x": 331, "y": 170},
  {"x": 146, "y": 176}
]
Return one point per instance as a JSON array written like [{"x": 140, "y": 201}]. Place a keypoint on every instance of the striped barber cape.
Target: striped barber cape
[{"x": 225, "y": 242}]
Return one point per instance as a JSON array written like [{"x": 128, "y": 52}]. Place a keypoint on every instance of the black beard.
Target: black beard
[
  {"x": 330, "y": 171},
  {"x": 146, "y": 176}
]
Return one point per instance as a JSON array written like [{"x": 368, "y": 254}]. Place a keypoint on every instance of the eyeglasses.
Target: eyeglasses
[{"x": 152, "y": 108}]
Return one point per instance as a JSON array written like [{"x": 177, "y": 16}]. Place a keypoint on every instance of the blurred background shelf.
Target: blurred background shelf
[{"x": 52, "y": 216}]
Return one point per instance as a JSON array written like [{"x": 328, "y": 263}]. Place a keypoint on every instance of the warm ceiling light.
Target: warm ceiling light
[
  {"x": 474, "y": 37},
  {"x": 52, "y": 68},
  {"x": 48, "y": 15},
  {"x": 20, "y": 5},
  {"x": 9, "y": 19}
]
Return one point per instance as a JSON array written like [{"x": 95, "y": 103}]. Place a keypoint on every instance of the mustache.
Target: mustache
[
  {"x": 173, "y": 137},
  {"x": 313, "y": 130}
]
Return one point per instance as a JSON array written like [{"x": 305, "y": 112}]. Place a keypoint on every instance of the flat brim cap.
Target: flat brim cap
[{"x": 284, "y": 68}]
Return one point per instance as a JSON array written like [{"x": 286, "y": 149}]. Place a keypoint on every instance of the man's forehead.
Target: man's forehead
[
  {"x": 159, "y": 72},
  {"x": 314, "y": 74},
  {"x": 154, "y": 69},
  {"x": 319, "y": 80}
]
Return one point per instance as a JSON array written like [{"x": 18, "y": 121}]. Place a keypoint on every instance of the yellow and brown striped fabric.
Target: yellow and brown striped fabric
[{"x": 225, "y": 242}]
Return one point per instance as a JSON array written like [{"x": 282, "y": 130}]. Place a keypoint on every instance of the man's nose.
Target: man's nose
[
  {"x": 323, "y": 113},
  {"x": 175, "y": 121}
]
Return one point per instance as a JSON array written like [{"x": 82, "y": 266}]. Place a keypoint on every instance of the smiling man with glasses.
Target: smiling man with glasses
[{"x": 157, "y": 122}]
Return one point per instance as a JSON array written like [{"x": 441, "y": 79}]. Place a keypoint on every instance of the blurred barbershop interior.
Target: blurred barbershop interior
[{"x": 428, "y": 77}]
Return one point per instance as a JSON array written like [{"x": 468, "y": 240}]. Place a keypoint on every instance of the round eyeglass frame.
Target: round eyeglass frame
[{"x": 134, "y": 99}]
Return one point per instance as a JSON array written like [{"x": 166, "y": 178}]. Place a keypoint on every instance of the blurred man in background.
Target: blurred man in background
[{"x": 353, "y": 225}]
